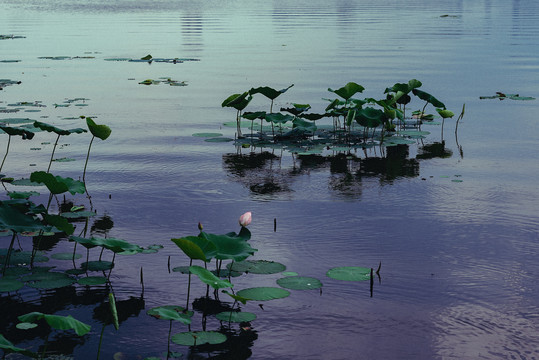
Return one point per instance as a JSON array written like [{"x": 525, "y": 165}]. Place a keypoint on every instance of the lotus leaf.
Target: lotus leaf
[
  {"x": 99, "y": 131},
  {"x": 171, "y": 312},
  {"x": 57, "y": 322},
  {"x": 25, "y": 134},
  {"x": 58, "y": 184},
  {"x": 257, "y": 267},
  {"x": 263, "y": 293},
  {"x": 13, "y": 219},
  {"x": 299, "y": 283},
  {"x": 348, "y": 90},
  {"x": 198, "y": 338},
  {"x": 197, "y": 247},
  {"x": 428, "y": 98},
  {"x": 268, "y": 92},
  {"x": 50, "y": 128},
  {"x": 8, "y": 285},
  {"x": 208, "y": 278},
  {"x": 230, "y": 247},
  {"x": 92, "y": 280},
  {"x": 8, "y": 346},
  {"x": 350, "y": 273}
]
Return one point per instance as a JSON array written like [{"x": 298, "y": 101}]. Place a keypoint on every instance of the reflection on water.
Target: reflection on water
[{"x": 458, "y": 253}]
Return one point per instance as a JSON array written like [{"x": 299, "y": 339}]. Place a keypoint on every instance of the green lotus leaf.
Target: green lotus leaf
[
  {"x": 237, "y": 101},
  {"x": 22, "y": 194},
  {"x": 181, "y": 269},
  {"x": 119, "y": 245},
  {"x": 13, "y": 219},
  {"x": 219, "y": 140},
  {"x": 236, "y": 297},
  {"x": 197, "y": 247},
  {"x": 236, "y": 316},
  {"x": 87, "y": 243},
  {"x": 78, "y": 214},
  {"x": 92, "y": 280},
  {"x": 23, "y": 257},
  {"x": 304, "y": 125},
  {"x": 299, "y": 283},
  {"x": 9, "y": 285},
  {"x": 16, "y": 271},
  {"x": 60, "y": 223},
  {"x": 171, "y": 312},
  {"x": 313, "y": 116},
  {"x": 428, "y": 98},
  {"x": 53, "y": 283},
  {"x": 348, "y": 90},
  {"x": 25, "y": 134},
  {"x": 278, "y": 118},
  {"x": 198, "y": 338},
  {"x": 297, "y": 109},
  {"x": 58, "y": 184},
  {"x": 8, "y": 347},
  {"x": 445, "y": 113},
  {"x": 263, "y": 293},
  {"x": 25, "y": 326},
  {"x": 350, "y": 273},
  {"x": 257, "y": 267},
  {"x": 290, "y": 273},
  {"x": 57, "y": 322},
  {"x": 230, "y": 247},
  {"x": 208, "y": 278},
  {"x": 99, "y": 131},
  {"x": 269, "y": 92},
  {"x": 47, "y": 127},
  {"x": 369, "y": 117}
]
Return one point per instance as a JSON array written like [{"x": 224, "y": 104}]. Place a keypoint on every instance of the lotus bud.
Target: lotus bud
[
  {"x": 200, "y": 226},
  {"x": 245, "y": 219}
]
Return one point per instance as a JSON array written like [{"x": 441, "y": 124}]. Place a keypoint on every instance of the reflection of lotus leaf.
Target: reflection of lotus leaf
[
  {"x": 236, "y": 316},
  {"x": 92, "y": 280}
]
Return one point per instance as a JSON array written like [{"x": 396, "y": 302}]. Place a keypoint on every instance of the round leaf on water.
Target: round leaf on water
[
  {"x": 299, "y": 283},
  {"x": 8, "y": 285},
  {"x": 290, "y": 273},
  {"x": 236, "y": 316},
  {"x": 263, "y": 293},
  {"x": 257, "y": 267},
  {"x": 171, "y": 312},
  {"x": 52, "y": 283},
  {"x": 25, "y": 326},
  {"x": 219, "y": 139},
  {"x": 350, "y": 273},
  {"x": 198, "y": 338},
  {"x": 92, "y": 280}
]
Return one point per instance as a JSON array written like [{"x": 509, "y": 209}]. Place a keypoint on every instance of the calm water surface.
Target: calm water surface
[{"x": 459, "y": 277}]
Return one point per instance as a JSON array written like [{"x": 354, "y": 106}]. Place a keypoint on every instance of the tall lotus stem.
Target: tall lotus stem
[
  {"x": 189, "y": 285},
  {"x": 7, "y": 151},
  {"x": 52, "y": 155},
  {"x": 87, "y": 157}
]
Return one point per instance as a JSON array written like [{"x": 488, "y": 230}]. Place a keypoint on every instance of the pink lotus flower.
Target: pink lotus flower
[{"x": 245, "y": 219}]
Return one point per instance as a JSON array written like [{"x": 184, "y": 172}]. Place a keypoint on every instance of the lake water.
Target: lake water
[{"x": 457, "y": 235}]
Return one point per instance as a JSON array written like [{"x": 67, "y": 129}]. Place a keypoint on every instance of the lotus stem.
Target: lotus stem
[
  {"x": 372, "y": 281},
  {"x": 9, "y": 253},
  {"x": 189, "y": 285},
  {"x": 100, "y": 341},
  {"x": 7, "y": 151},
  {"x": 86, "y": 163},
  {"x": 142, "y": 280},
  {"x": 53, "y": 150}
]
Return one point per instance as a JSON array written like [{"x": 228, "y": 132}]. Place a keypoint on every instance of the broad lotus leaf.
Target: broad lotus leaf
[
  {"x": 236, "y": 316},
  {"x": 299, "y": 283},
  {"x": 197, "y": 247},
  {"x": 99, "y": 131},
  {"x": 369, "y": 117},
  {"x": 236, "y": 297},
  {"x": 25, "y": 134},
  {"x": 57, "y": 184},
  {"x": 254, "y": 115},
  {"x": 50, "y": 128},
  {"x": 92, "y": 280},
  {"x": 207, "y": 134},
  {"x": 278, "y": 118},
  {"x": 350, "y": 273},
  {"x": 171, "y": 312},
  {"x": 119, "y": 245},
  {"x": 297, "y": 109},
  {"x": 21, "y": 194},
  {"x": 54, "y": 282},
  {"x": 198, "y": 338},
  {"x": 263, "y": 293},
  {"x": 404, "y": 87},
  {"x": 269, "y": 92},
  {"x": 87, "y": 242},
  {"x": 313, "y": 116},
  {"x": 11, "y": 218},
  {"x": 8, "y": 347},
  {"x": 9, "y": 285},
  {"x": 60, "y": 223},
  {"x": 230, "y": 247},
  {"x": 208, "y": 278},
  {"x": 257, "y": 267},
  {"x": 303, "y": 125},
  {"x": 57, "y": 322},
  {"x": 428, "y": 98},
  {"x": 348, "y": 90},
  {"x": 445, "y": 113},
  {"x": 237, "y": 101}
]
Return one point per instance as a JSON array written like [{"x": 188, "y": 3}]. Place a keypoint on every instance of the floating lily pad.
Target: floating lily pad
[
  {"x": 9, "y": 285},
  {"x": 24, "y": 257},
  {"x": 75, "y": 271},
  {"x": 236, "y": 316},
  {"x": 78, "y": 214},
  {"x": 66, "y": 256},
  {"x": 290, "y": 273},
  {"x": 92, "y": 280},
  {"x": 257, "y": 267},
  {"x": 25, "y": 326},
  {"x": 181, "y": 269},
  {"x": 207, "y": 134},
  {"x": 299, "y": 283},
  {"x": 263, "y": 293},
  {"x": 53, "y": 283},
  {"x": 198, "y": 338},
  {"x": 350, "y": 273},
  {"x": 16, "y": 271}
]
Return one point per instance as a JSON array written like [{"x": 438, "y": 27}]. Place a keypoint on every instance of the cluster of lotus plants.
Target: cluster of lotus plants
[
  {"x": 234, "y": 249},
  {"x": 347, "y": 122}
]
